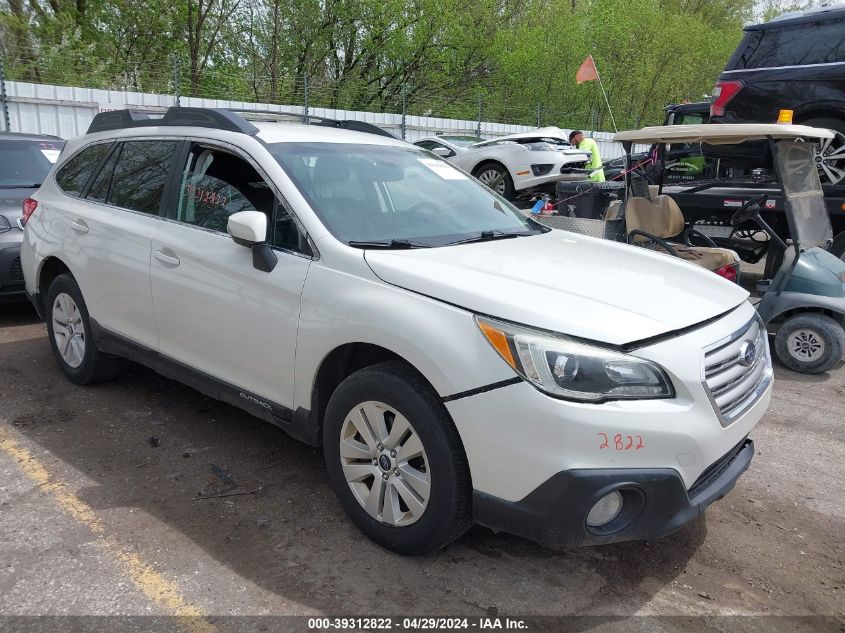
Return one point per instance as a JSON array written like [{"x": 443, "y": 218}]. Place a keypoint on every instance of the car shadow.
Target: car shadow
[
  {"x": 17, "y": 314},
  {"x": 259, "y": 502}
]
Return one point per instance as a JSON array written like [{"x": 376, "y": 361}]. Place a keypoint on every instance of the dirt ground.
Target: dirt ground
[{"x": 104, "y": 510}]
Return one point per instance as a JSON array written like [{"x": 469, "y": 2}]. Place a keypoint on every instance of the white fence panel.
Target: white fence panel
[{"x": 66, "y": 111}]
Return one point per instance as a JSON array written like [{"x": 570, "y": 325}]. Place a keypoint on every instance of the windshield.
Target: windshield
[
  {"x": 26, "y": 163},
  {"x": 805, "y": 198},
  {"x": 462, "y": 141},
  {"x": 383, "y": 193}
]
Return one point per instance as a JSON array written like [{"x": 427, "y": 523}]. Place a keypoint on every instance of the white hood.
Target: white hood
[
  {"x": 538, "y": 133},
  {"x": 563, "y": 282}
]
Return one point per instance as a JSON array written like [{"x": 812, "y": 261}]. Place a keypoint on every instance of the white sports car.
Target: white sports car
[{"x": 513, "y": 164}]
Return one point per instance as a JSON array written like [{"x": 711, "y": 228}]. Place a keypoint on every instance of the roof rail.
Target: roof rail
[
  {"x": 216, "y": 118},
  {"x": 232, "y": 120},
  {"x": 346, "y": 124}
]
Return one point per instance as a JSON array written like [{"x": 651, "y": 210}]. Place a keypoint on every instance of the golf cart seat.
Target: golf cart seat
[{"x": 654, "y": 223}]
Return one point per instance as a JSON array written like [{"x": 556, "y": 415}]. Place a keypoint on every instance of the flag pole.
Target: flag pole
[{"x": 601, "y": 85}]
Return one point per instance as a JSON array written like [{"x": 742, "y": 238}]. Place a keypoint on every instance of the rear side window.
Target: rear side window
[
  {"x": 141, "y": 174},
  {"x": 797, "y": 45},
  {"x": 99, "y": 189},
  {"x": 75, "y": 173}
]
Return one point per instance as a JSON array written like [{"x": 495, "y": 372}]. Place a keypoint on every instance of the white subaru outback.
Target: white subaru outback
[{"x": 456, "y": 361}]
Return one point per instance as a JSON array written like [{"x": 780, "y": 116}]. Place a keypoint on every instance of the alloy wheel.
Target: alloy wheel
[
  {"x": 385, "y": 463},
  {"x": 805, "y": 346},
  {"x": 830, "y": 159},
  {"x": 494, "y": 179},
  {"x": 68, "y": 331}
]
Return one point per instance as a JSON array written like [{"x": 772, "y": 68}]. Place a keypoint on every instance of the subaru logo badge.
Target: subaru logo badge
[{"x": 747, "y": 353}]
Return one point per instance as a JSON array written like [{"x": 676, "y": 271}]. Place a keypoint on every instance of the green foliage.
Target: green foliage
[{"x": 440, "y": 56}]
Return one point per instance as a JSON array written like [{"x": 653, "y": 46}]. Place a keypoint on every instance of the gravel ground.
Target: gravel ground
[{"x": 101, "y": 514}]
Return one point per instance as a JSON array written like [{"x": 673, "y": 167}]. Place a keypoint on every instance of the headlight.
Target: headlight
[
  {"x": 539, "y": 146},
  {"x": 573, "y": 370},
  {"x": 5, "y": 225}
]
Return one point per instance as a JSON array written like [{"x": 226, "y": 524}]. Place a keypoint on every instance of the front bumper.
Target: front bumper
[
  {"x": 11, "y": 275},
  {"x": 655, "y": 502},
  {"x": 524, "y": 178}
]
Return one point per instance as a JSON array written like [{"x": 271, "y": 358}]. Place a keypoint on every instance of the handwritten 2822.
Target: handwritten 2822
[{"x": 621, "y": 442}]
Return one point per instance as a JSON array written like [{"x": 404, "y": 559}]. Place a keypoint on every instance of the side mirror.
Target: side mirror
[
  {"x": 249, "y": 228},
  {"x": 443, "y": 152}
]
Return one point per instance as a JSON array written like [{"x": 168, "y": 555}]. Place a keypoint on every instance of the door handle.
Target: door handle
[
  {"x": 79, "y": 226},
  {"x": 166, "y": 257}
]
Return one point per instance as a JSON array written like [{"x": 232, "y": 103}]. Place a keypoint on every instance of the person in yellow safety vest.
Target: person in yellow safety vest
[{"x": 580, "y": 141}]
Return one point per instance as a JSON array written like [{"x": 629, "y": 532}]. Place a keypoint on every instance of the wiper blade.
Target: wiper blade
[
  {"x": 388, "y": 244},
  {"x": 489, "y": 236},
  {"x": 33, "y": 185}
]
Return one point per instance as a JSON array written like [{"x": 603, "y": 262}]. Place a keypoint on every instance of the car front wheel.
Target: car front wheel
[
  {"x": 496, "y": 176},
  {"x": 395, "y": 460}
]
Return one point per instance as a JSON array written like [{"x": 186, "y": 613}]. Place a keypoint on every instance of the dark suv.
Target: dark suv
[
  {"x": 795, "y": 62},
  {"x": 25, "y": 160}
]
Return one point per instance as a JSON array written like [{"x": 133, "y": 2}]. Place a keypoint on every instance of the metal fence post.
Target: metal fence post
[
  {"x": 480, "y": 114},
  {"x": 404, "y": 109},
  {"x": 177, "y": 80},
  {"x": 305, "y": 94},
  {"x": 8, "y": 125}
]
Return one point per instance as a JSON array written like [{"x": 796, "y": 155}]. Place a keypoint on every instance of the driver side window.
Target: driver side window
[{"x": 216, "y": 184}]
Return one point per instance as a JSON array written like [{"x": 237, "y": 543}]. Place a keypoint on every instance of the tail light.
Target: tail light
[
  {"x": 29, "y": 206},
  {"x": 729, "y": 272},
  {"x": 723, "y": 93}
]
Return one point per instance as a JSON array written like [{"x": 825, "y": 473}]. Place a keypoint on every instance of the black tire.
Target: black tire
[
  {"x": 95, "y": 366},
  {"x": 448, "y": 513},
  {"x": 837, "y": 125},
  {"x": 824, "y": 329},
  {"x": 508, "y": 192}
]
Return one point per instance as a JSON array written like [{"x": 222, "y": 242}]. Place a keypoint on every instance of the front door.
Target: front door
[{"x": 216, "y": 312}]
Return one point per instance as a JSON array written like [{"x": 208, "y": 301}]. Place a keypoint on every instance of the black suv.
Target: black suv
[{"x": 795, "y": 62}]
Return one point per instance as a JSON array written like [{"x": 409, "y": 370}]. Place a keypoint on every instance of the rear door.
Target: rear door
[
  {"x": 108, "y": 229},
  {"x": 216, "y": 313}
]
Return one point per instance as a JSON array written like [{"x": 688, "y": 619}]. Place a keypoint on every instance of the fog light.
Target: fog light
[{"x": 605, "y": 510}]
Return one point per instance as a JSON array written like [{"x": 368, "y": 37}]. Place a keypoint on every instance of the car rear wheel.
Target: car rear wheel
[
  {"x": 810, "y": 343},
  {"x": 69, "y": 331},
  {"x": 496, "y": 176},
  {"x": 395, "y": 460},
  {"x": 830, "y": 155}
]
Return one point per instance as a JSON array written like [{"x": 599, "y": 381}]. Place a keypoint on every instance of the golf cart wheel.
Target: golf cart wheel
[
  {"x": 69, "y": 332},
  {"x": 810, "y": 343},
  {"x": 830, "y": 155},
  {"x": 496, "y": 176},
  {"x": 395, "y": 460}
]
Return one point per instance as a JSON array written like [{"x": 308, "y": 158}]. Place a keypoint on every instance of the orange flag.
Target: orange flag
[{"x": 587, "y": 71}]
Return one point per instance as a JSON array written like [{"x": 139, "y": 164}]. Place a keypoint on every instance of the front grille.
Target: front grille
[
  {"x": 737, "y": 370},
  {"x": 15, "y": 270}
]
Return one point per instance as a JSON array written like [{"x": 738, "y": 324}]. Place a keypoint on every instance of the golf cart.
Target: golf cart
[{"x": 804, "y": 301}]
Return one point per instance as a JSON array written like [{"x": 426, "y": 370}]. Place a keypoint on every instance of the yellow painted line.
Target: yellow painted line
[{"x": 151, "y": 583}]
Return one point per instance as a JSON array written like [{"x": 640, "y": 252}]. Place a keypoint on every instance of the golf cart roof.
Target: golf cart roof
[{"x": 720, "y": 133}]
